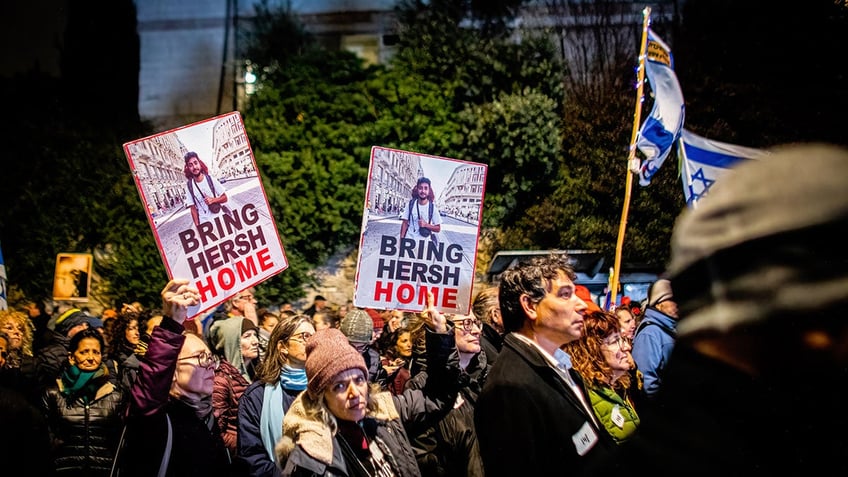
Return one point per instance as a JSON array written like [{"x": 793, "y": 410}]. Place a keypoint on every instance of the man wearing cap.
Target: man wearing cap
[
  {"x": 655, "y": 336},
  {"x": 54, "y": 354},
  {"x": 760, "y": 273},
  {"x": 344, "y": 425}
]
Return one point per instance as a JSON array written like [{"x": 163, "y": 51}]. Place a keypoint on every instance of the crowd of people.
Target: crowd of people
[{"x": 717, "y": 372}]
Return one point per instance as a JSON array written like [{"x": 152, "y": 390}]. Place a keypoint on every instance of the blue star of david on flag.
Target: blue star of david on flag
[
  {"x": 703, "y": 162},
  {"x": 703, "y": 186}
]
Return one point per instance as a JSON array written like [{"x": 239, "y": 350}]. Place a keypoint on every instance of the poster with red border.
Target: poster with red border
[
  {"x": 396, "y": 272},
  {"x": 207, "y": 207}
]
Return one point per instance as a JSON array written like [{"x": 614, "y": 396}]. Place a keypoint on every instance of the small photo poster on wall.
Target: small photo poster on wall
[{"x": 72, "y": 277}]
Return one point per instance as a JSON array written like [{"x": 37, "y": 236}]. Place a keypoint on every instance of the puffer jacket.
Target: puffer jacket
[
  {"x": 226, "y": 392},
  {"x": 617, "y": 415},
  {"x": 318, "y": 452},
  {"x": 85, "y": 436}
]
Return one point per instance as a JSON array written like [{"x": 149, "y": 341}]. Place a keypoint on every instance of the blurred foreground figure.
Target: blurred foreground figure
[{"x": 760, "y": 274}]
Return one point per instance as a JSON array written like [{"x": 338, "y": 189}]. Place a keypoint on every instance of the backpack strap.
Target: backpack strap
[
  {"x": 211, "y": 186},
  {"x": 191, "y": 191},
  {"x": 190, "y": 183},
  {"x": 665, "y": 328}
]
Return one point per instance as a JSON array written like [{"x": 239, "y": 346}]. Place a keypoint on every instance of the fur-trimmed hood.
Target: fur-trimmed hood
[{"x": 315, "y": 437}]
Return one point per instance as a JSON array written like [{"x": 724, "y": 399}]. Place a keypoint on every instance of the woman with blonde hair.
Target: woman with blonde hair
[{"x": 20, "y": 365}]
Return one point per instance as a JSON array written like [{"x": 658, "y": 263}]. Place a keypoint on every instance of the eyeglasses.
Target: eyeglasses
[
  {"x": 204, "y": 360},
  {"x": 302, "y": 337},
  {"x": 620, "y": 341},
  {"x": 468, "y": 324},
  {"x": 245, "y": 297}
]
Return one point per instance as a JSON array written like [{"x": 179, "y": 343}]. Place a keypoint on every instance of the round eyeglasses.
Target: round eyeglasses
[
  {"x": 204, "y": 360},
  {"x": 468, "y": 324},
  {"x": 620, "y": 341},
  {"x": 302, "y": 336}
]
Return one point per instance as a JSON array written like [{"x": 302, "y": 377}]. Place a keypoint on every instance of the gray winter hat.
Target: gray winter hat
[
  {"x": 659, "y": 292},
  {"x": 766, "y": 242},
  {"x": 357, "y": 326}
]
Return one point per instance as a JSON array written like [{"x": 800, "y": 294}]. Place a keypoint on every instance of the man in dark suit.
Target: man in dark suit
[{"x": 534, "y": 416}]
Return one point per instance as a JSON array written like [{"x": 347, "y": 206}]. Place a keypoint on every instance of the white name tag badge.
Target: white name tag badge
[
  {"x": 584, "y": 439},
  {"x": 616, "y": 417}
]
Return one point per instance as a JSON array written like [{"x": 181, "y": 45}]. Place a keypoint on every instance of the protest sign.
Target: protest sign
[
  {"x": 207, "y": 207},
  {"x": 72, "y": 276},
  {"x": 420, "y": 227}
]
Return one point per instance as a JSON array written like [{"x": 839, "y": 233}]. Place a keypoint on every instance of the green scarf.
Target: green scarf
[{"x": 82, "y": 383}]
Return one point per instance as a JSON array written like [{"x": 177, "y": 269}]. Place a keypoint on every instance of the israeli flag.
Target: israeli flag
[
  {"x": 662, "y": 128},
  {"x": 4, "y": 304},
  {"x": 703, "y": 161}
]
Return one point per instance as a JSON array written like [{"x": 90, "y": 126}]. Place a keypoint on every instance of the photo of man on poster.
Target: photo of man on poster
[
  {"x": 205, "y": 195},
  {"x": 207, "y": 208},
  {"x": 421, "y": 212},
  {"x": 420, "y": 231}
]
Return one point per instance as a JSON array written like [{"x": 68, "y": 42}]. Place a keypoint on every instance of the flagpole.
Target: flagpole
[{"x": 628, "y": 185}]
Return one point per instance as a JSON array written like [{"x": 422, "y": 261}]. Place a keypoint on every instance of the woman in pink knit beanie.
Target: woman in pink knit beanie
[{"x": 343, "y": 425}]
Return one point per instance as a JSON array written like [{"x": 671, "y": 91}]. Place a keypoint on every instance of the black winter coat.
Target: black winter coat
[
  {"x": 85, "y": 436},
  {"x": 449, "y": 448}
]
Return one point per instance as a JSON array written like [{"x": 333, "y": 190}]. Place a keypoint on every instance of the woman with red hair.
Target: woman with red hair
[{"x": 601, "y": 356}]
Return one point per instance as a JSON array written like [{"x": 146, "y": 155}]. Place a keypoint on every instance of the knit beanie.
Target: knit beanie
[
  {"x": 357, "y": 326},
  {"x": 70, "y": 319},
  {"x": 766, "y": 245},
  {"x": 328, "y": 353}
]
